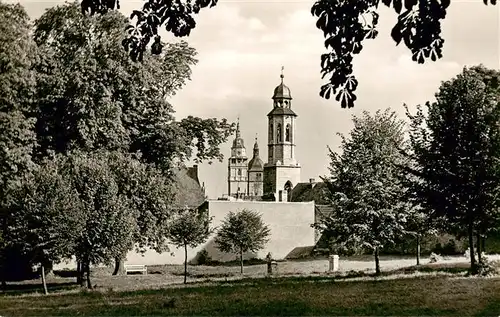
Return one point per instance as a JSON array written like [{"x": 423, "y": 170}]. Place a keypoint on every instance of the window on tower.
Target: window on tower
[
  {"x": 239, "y": 171},
  {"x": 287, "y": 133},
  {"x": 278, "y": 133},
  {"x": 271, "y": 129}
]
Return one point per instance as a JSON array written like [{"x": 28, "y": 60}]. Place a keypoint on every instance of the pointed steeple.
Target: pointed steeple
[
  {"x": 255, "y": 163},
  {"x": 238, "y": 148},
  {"x": 238, "y": 135},
  {"x": 256, "y": 148}
]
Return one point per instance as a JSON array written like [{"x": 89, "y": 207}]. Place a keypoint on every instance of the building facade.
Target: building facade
[{"x": 275, "y": 179}]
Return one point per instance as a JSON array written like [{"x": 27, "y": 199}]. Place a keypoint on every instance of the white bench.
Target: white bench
[{"x": 136, "y": 268}]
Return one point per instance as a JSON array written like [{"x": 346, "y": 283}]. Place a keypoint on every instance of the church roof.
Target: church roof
[
  {"x": 282, "y": 92},
  {"x": 281, "y": 111},
  {"x": 238, "y": 140},
  {"x": 188, "y": 190},
  {"x": 256, "y": 164},
  {"x": 238, "y": 143}
]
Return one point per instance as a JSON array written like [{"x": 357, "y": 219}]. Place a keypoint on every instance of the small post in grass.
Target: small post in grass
[
  {"x": 269, "y": 260},
  {"x": 333, "y": 261}
]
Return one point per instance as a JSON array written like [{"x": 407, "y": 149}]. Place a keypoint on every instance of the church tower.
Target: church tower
[
  {"x": 237, "y": 167},
  {"x": 255, "y": 174},
  {"x": 281, "y": 172}
]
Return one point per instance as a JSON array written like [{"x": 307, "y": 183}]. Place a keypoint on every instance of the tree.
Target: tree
[
  {"x": 17, "y": 138},
  {"x": 189, "y": 228},
  {"x": 149, "y": 194},
  {"x": 93, "y": 98},
  {"x": 420, "y": 221},
  {"x": 109, "y": 220},
  {"x": 345, "y": 25},
  {"x": 242, "y": 232},
  {"x": 365, "y": 187},
  {"x": 47, "y": 215},
  {"x": 456, "y": 145}
]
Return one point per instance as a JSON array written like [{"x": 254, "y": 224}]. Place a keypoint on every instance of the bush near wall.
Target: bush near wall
[{"x": 444, "y": 244}]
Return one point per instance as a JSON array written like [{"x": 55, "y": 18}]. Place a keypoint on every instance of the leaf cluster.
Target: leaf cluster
[
  {"x": 47, "y": 215},
  {"x": 242, "y": 231},
  {"x": 190, "y": 227},
  {"x": 92, "y": 96}
]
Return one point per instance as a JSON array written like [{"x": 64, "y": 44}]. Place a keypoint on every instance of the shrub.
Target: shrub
[
  {"x": 486, "y": 267},
  {"x": 203, "y": 258}
]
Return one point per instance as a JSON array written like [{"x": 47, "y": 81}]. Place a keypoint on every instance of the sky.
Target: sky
[{"x": 242, "y": 46}]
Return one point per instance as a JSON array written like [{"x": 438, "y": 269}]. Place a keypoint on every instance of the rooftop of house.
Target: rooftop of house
[
  {"x": 310, "y": 191},
  {"x": 189, "y": 191}
]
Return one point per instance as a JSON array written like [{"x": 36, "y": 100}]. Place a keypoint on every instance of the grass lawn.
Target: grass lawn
[{"x": 415, "y": 296}]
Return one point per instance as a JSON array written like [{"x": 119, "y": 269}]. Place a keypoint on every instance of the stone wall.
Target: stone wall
[{"x": 290, "y": 225}]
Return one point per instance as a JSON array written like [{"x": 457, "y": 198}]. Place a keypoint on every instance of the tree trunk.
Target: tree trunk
[
  {"x": 80, "y": 273},
  {"x": 119, "y": 266},
  {"x": 473, "y": 267},
  {"x": 3, "y": 273},
  {"x": 44, "y": 282},
  {"x": 418, "y": 249},
  {"x": 241, "y": 260},
  {"x": 483, "y": 244},
  {"x": 87, "y": 268},
  {"x": 479, "y": 249},
  {"x": 185, "y": 263},
  {"x": 377, "y": 262}
]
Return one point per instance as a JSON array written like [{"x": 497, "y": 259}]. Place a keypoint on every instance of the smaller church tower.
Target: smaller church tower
[
  {"x": 237, "y": 167},
  {"x": 255, "y": 174}
]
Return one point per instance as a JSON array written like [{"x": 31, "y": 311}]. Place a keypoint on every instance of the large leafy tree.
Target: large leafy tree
[
  {"x": 456, "y": 143},
  {"x": 345, "y": 25},
  {"x": 47, "y": 215},
  {"x": 94, "y": 98},
  {"x": 17, "y": 138},
  {"x": 109, "y": 222},
  {"x": 365, "y": 186},
  {"x": 241, "y": 232},
  {"x": 190, "y": 228}
]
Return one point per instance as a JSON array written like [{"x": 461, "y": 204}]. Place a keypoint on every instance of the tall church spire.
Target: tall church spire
[
  {"x": 256, "y": 147},
  {"x": 238, "y": 148},
  {"x": 255, "y": 163},
  {"x": 238, "y": 135}
]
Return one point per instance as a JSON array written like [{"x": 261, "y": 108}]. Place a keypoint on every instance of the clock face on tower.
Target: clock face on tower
[{"x": 239, "y": 152}]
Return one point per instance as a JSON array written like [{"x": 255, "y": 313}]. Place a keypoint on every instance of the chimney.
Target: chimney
[
  {"x": 311, "y": 180},
  {"x": 193, "y": 173}
]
